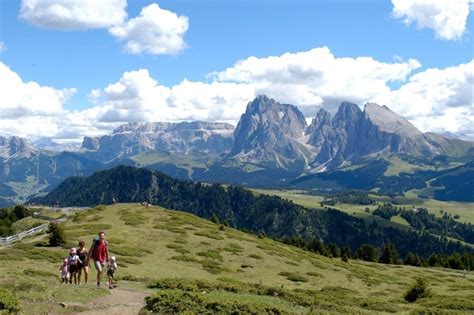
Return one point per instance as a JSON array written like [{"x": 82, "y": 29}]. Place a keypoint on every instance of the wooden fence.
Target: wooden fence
[{"x": 4, "y": 241}]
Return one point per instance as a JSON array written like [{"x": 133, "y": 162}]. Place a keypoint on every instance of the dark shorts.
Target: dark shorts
[
  {"x": 110, "y": 273},
  {"x": 73, "y": 268}
]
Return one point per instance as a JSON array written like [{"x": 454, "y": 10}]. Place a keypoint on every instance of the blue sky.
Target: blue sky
[{"x": 218, "y": 35}]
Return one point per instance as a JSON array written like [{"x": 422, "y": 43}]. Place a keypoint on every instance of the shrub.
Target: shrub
[
  {"x": 255, "y": 256},
  {"x": 179, "y": 302},
  {"x": 418, "y": 290},
  {"x": 215, "y": 219},
  {"x": 8, "y": 302},
  {"x": 57, "y": 235},
  {"x": 233, "y": 248},
  {"x": 212, "y": 254},
  {"x": 293, "y": 276},
  {"x": 211, "y": 266}
]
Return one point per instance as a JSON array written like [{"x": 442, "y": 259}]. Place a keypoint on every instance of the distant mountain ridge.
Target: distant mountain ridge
[
  {"x": 133, "y": 138},
  {"x": 272, "y": 146},
  {"x": 240, "y": 207}
]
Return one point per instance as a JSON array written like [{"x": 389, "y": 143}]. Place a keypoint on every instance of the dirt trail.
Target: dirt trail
[{"x": 120, "y": 301}]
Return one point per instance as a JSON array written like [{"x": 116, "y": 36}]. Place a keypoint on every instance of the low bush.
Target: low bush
[
  {"x": 293, "y": 276},
  {"x": 8, "y": 302},
  {"x": 211, "y": 254},
  {"x": 233, "y": 248},
  {"x": 57, "y": 235},
  {"x": 211, "y": 266},
  {"x": 255, "y": 256},
  {"x": 185, "y": 258},
  {"x": 209, "y": 234},
  {"x": 179, "y": 302},
  {"x": 419, "y": 290}
]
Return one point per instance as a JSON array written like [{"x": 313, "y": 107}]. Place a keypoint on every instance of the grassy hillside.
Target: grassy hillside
[
  {"x": 189, "y": 262},
  {"x": 241, "y": 208},
  {"x": 465, "y": 210}
]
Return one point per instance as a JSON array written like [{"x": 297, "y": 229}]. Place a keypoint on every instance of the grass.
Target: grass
[
  {"x": 397, "y": 166},
  {"x": 465, "y": 210},
  {"x": 26, "y": 224},
  {"x": 235, "y": 270}
]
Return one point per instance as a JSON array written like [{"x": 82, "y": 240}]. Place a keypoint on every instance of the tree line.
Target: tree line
[
  {"x": 421, "y": 219},
  {"x": 243, "y": 209},
  {"x": 388, "y": 254},
  {"x": 8, "y": 216}
]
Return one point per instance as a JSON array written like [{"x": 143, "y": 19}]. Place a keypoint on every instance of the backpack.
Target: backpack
[
  {"x": 95, "y": 242},
  {"x": 72, "y": 261}
]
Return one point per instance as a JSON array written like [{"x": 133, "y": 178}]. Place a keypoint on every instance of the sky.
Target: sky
[{"x": 70, "y": 69}]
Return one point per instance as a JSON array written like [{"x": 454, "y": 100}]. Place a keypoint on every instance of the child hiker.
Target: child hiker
[
  {"x": 73, "y": 262},
  {"x": 111, "y": 271},
  {"x": 63, "y": 270}
]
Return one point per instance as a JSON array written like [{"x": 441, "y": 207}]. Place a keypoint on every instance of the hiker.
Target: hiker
[
  {"x": 73, "y": 262},
  {"x": 64, "y": 272},
  {"x": 99, "y": 252},
  {"x": 111, "y": 271},
  {"x": 84, "y": 264}
]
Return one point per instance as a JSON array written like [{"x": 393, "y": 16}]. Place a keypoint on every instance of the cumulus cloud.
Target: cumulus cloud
[
  {"x": 433, "y": 99},
  {"x": 139, "y": 97},
  {"x": 20, "y": 98},
  {"x": 437, "y": 99},
  {"x": 448, "y": 18},
  {"x": 155, "y": 31},
  {"x": 28, "y": 108},
  {"x": 317, "y": 77},
  {"x": 73, "y": 14}
]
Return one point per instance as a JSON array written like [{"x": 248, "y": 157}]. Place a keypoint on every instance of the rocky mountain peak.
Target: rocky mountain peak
[
  {"x": 16, "y": 146},
  {"x": 389, "y": 121},
  {"x": 347, "y": 113},
  {"x": 133, "y": 138},
  {"x": 269, "y": 130}
]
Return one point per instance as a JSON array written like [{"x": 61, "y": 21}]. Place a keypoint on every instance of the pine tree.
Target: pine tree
[
  {"x": 57, "y": 235},
  {"x": 389, "y": 255},
  {"x": 368, "y": 253},
  {"x": 215, "y": 219},
  {"x": 412, "y": 260}
]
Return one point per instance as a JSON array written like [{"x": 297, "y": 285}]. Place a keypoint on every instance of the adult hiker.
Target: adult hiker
[
  {"x": 99, "y": 252},
  {"x": 83, "y": 256}
]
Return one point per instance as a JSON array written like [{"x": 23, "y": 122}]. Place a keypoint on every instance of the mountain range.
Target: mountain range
[{"x": 272, "y": 146}]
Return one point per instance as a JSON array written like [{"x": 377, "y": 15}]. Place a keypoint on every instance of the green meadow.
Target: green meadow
[{"x": 182, "y": 263}]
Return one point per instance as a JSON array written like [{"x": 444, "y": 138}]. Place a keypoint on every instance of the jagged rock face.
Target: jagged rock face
[
  {"x": 383, "y": 129},
  {"x": 16, "y": 147},
  {"x": 133, "y": 138},
  {"x": 354, "y": 134},
  {"x": 270, "y": 132}
]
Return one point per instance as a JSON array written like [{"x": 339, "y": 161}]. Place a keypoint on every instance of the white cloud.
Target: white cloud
[
  {"x": 29, "y": 109},
  {"x": 317, "y": 77},
  {"x": 437, "y": 99},
  {"x": 20, "y": 98},
  {"x": 3, "y": 47},
  {"x": 434, "y": 99},
  {"x": 73, "y": 14},
  {"x": 448, "y": 18},
  {"x": 155, "y": 31},
  {"x": 135, "y": 97},
  {"x": 139, "y": 97}
]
